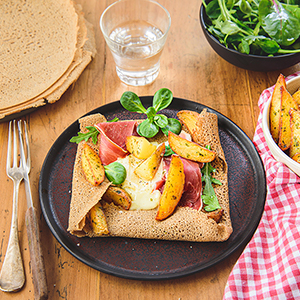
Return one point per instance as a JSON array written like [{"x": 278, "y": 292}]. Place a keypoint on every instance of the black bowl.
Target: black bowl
[{"x": 247, "y": 61}]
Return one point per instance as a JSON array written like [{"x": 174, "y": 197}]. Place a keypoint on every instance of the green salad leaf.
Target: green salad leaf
[
  {"x": 131, "y": 102},
  {"x": 154, "y": 122},
  {"x": 208, "y": 194},
  {"x": 259, "y": 27},
  {"x": 115, "y": 172},
  {"x": 168, "y": 150}
]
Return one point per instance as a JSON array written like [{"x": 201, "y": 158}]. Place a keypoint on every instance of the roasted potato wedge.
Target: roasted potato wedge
[
  {"x": 275, "y": 107},
  {"x": 190, "y": 150},
  {"x": 296, "y": 157},
  {"x": 173, "y": 189},
  {"x": 98, "y": 220},
  {"x": 295, "y": 132},
  {"x": 148, "y": 168},
  {"x": 189, "y": 119},
  {"x": 118, "y": 196},
  {"x": 92, "y": 165},
  {"x": 296, "y": 96},
  {"x": 287, "y": 103},
  {"x": 139, "y": 146},
  {"x": 216, "y": 215}
]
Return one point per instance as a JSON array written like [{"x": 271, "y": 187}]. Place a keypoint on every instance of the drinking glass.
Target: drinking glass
[{"x": 135, "y": 32}]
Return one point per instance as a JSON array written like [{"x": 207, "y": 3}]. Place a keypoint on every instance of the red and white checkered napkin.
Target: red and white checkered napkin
[{"x": 269, "y": 267}]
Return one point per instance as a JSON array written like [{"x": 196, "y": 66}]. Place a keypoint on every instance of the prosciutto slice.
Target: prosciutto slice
[
  {"x": 192, "y": 191},
  {"x": 109, "y": 151},
  {"x": 113, "y": 139},
  {"x": 118, "y": 131}
]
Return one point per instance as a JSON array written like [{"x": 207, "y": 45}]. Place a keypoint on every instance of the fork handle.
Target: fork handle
[{"x": 37, "y": 260}]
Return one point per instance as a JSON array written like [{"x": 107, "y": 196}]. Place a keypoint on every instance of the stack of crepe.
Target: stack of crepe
[{"x": 44, "y": 47}]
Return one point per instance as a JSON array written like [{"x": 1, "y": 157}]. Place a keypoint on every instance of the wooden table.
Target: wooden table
[{"x": 191, "y": 70}]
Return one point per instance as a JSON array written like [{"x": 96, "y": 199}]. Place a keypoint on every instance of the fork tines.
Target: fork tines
[
  {"x": 24, "y": 151},
  {"x": 16, "y": 153}
]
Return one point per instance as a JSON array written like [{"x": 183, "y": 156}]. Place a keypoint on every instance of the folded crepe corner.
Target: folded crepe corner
[
  {"x": 185, "y": 224},
  {"x": 84, "y": 195}
]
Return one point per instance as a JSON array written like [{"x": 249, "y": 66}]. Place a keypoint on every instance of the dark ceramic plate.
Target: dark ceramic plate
[{"x": 155, "y": 259}]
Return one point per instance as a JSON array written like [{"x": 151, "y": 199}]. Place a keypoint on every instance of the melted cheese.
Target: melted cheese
[{"x": 142, "y": 192}]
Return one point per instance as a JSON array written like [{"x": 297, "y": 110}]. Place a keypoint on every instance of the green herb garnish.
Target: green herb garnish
[
  {"x": 168, "y": 150},
  {"x": 92, "y": 133},
  {"x": 259, "y": 27},
  {"x": 115, "y": 172},
  {"x": 114, "y": 120},
  {"x": 208, "y": 194},
  {"x": 173, "y": 125},
  {"x": 154, "y": 122}
]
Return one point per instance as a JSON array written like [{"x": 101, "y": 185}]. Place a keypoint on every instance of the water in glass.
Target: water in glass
[{"x": 136, "y": 50}]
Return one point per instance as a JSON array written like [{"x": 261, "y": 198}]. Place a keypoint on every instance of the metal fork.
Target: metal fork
[
  {"x": 12, "y": 275},
  {"x": 31, "y": 220}
]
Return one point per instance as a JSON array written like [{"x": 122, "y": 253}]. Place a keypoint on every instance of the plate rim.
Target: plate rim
[{"x": 128, "y": 274}]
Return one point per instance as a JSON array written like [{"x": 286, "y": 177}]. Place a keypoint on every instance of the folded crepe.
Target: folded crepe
[{"x": 185, "y": 224}]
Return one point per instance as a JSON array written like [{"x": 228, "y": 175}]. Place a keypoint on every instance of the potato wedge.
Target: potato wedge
[
  {"x": 296, "y": 96},
  {"x": 92, "y": 165},
  {"x": 287, "y": 103},
  {"x": 295, "y": 132},
  {"x": 118, "y": 196},
  {"x": 173, "y": 189},
  {"x": 148, "y": 168},
  {"x": 139, "y": 146},
  {"x": 296, "y": 157},
  {"x": 275, "y": 106},
  {"x": 189, "y": 119},
  {"x": 98, "y": 220},
  {"x": 216, "y": 215},
  {"x": 190, "y": 150}
]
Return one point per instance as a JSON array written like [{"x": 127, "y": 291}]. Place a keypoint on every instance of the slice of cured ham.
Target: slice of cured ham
[
  {"x": 118, "y": 131},
  {"x": 113, "y": 138},
  {"x": 108, "y": 150},
  {"x": 191, "y": 196}
]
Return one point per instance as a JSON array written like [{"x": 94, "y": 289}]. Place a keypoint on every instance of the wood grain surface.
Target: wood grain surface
[{"x": 192, "y": 70}]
